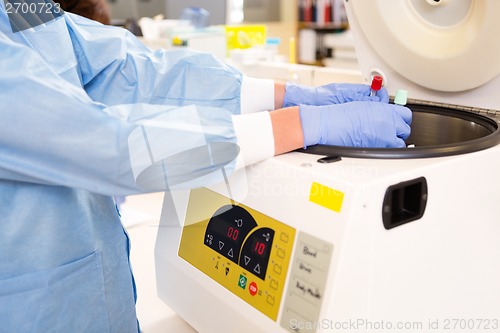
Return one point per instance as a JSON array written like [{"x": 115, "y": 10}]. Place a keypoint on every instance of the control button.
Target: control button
[
  {"x": 281, "y": 253},
  {"x": 270, "y": 299},
  {"x": 274, "y": 284},
  {"x": 253, "y": 289},
  {"x": 221, "y": 245},
  {"x": 247, "y": 260},
  {"x": 242, "y": 282},
  {"x": 284, "y": 237},
  {"x": 257, "y": 269},
  {"x": 277, "y": 269},
  {"x": 231, "y": 253}
]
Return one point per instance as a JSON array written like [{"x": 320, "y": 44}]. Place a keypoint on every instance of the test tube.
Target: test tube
[
  {"x": 376, "y": 85},
  {"x": 401, "y": 97}
]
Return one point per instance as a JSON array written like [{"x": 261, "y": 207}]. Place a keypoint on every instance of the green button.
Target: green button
[{"x": 242, "y": 282}]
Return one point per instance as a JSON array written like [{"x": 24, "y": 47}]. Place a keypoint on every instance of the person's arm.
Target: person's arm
[
  {"x": 279, "y": 94},
  {"x": 368, "y": 121},
  {"x": 53, "y": 133},
  {"x": 287, "y": 130},
  {"x": 357, "y": 123},
  {"x": 273, "y": 131},
  {"x": 116, "y": 68}
]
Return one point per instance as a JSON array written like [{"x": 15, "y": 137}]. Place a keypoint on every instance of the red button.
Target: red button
[{"x": 253, "y": 288}]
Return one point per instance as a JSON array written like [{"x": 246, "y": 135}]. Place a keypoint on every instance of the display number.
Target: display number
[
  {"x": 232, "y": 233},
  {"x": 259, "y": 248}
]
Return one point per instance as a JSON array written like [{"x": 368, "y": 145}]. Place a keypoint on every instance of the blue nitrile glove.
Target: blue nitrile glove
[
  {"x": 356, "y": 124},
  {"x": 333, "y": 93}
]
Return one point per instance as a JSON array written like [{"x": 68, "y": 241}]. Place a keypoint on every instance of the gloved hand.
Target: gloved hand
[
  {"x": 356, "y": 124},
  {"x": 334, "y": 93}
]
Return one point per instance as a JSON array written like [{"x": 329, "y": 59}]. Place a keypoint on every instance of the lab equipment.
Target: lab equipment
[
  {"x": 406, "y": 238},
  {"x": 196, "y": 16},
  {"x": 401, "y": 97},
  {"x": 345, "y": 124},
  {"x": 272, "y": 48},
  {"x": 210, "y": 40},
  {"x": 220, "y": 10},
  {"x": 333, "y": 93},
  {"x": 376, "y": 85}
]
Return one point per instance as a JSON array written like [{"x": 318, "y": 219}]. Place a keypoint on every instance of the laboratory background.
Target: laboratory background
[{"x": 334, "y": 239}]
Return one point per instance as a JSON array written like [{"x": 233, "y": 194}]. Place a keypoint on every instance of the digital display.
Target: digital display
[
  {"x": 256, "y": 251},
  {"x": 234, "y": 233},
  {"x": 228, "y": 231},
  {"x": 259, "y": 247}
]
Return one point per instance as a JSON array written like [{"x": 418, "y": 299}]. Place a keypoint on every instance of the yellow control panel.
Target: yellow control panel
[{"x": 242, "y": 249}]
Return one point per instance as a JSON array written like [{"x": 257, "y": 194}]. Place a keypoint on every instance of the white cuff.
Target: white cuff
[
  {"x": 254, "y": 134},
  {"x": 256, "y": 95}
]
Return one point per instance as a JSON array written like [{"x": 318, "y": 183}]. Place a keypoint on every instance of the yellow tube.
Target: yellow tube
[{"x": 292, "y": 51}]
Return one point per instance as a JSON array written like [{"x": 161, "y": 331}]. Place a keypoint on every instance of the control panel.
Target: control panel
[{"x": 243, "y": 250}]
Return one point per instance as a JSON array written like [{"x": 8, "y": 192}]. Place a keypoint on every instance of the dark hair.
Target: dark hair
[{"x": 97, "y": 10}]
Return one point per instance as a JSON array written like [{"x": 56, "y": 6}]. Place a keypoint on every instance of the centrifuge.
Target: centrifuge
[{"x": 336, "y": 239}]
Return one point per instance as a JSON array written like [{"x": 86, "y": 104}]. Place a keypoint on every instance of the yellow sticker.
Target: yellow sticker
[
  {"x": 245, "y": 36},
  {"x": 326, "y": 197}
]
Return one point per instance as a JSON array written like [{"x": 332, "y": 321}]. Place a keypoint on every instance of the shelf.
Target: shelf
[
  {"x": 326, "y": 26},
  {"x": 316, "y": 21}
]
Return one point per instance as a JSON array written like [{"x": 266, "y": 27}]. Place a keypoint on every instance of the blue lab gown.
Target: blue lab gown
[{"x": 77, "y": 101}]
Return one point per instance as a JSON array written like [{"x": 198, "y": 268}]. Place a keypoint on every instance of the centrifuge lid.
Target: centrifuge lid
[{"x": 438, "y": 50}]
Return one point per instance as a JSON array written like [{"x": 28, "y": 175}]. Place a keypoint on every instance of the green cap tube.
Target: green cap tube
[{"x": 401, "y": 97}]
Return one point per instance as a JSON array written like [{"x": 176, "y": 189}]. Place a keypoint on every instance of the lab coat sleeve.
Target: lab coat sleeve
[
  {"x": 256, "y": 95},
  {"x": 253, "y": 128},
  {"x": 52, "y": 133},
  {"x": 255, "y": 137},
  {"x": 116, "y": 68}
]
